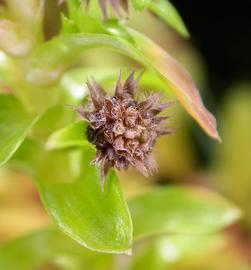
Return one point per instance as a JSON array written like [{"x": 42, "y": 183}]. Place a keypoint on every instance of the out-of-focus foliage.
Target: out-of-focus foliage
[
  {"x": 231, "y": 166},
  {"x": 15, "y": 123},
  {"x": 50, "y": 246},
  {"x": 188, "y": 211},
  {"x": 174, "y": 226}
]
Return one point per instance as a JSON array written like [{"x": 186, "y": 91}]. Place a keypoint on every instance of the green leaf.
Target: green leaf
[
  {"x": 70, "y": 190},
  {"x": 54, "y": 118},
  {"x": 88, "y": 24},
  {"x": 39, "y": 248},
  {"x": 140, "y": 5},
  {"x": 74, "y": 90},
  {"x": 78, "y": 21},
  {"x": 164, "y": 251},
  {"x": 165, "y": 10},
  {"x": 15, "y": 124},
  {"x": 84, "y": 23},
  {"x": 116, "y": 28},
  {"x": 26, "y": 157},
  {"x": 68, "y": 26},
  {"x": 54, "y": 56},
  {"x": 179, "y": 81},
  {"x": 72, "y": 135},
  {"x": 181, "y": 210},
  {"x": 73, "y": 7},
  {"x": 73, "y": 84}
]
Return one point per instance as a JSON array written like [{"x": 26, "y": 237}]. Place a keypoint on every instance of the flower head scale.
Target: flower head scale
[{"x": 122, "y": 129}]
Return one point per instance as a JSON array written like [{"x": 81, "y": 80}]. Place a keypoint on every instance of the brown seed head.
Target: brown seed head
[{"x": 122, "y": 129}]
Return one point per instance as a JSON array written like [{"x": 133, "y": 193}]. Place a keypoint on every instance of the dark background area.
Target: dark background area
[{"x": 222, "y": 32}]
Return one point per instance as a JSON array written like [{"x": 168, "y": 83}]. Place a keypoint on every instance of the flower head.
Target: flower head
[{"x": 123, "y": 129}]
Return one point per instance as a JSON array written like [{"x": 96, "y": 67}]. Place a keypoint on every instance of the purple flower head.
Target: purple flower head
[{"x": 124, "y": 130}]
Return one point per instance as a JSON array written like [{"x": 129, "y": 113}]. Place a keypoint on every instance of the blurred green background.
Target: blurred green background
[{"x": 218, "y": 58}]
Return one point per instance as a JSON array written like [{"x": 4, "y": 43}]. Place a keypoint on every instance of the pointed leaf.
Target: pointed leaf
[
  {"x": 180, "y": 82},
  {"x": 72, "y": 135},
  {"x": 165, "y": 10},
  {"x": 183, "y": 210},
  {"x": 15, "y": 123},
  {"x": 70, "y": 190},
  {"x": 55, "y": 55}
]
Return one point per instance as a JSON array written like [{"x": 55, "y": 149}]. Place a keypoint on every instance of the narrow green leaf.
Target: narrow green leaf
[
  {"x": 72, "y": 135},
  {"x": 70, "y": 190},
  {"x": 140, "y": 5},
  {"x": 15, "y": 123},
  {"x": 183, "y": 210},
  {"x": 39, "y": 248},
  {"x": 165, "y": 10}
]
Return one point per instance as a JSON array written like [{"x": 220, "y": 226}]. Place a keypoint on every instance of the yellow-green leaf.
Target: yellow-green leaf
[
  {"x": 70, "y": 189},
  {"x": 186, "y": 210},
  {"x": 15, "y": 124}
]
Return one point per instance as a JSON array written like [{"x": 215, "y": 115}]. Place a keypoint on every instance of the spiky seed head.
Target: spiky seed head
[{"x": 124, "y": 130}]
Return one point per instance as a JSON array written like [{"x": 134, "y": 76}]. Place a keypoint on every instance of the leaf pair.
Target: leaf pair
[{"x": 70, "y": 190}]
